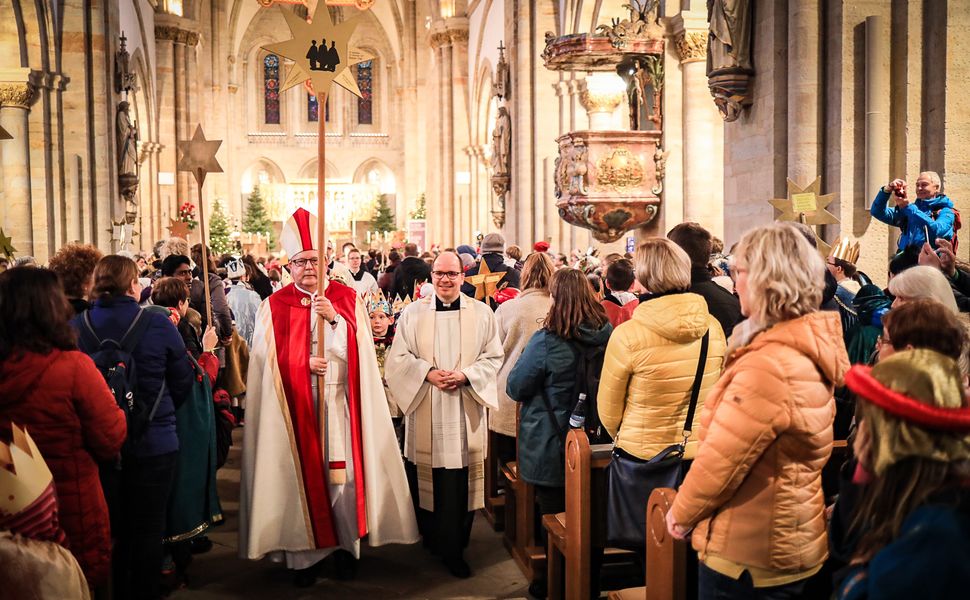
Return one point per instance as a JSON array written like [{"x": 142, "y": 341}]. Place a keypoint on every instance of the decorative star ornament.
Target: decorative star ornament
[
  {"x": 320, "y": 51},
  {"x": 6, "y": 248},
  {"x": 807, "y": 205},
  {"x": 178, "y": 229},
  {"x": 199, "y": 155},
  {"x": 485, "y": 282}
]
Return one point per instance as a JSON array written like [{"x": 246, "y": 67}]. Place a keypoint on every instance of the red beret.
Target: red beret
[{"x": 541, "y": 246}]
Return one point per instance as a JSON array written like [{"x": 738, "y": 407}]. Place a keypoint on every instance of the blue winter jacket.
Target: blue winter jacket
[
  {"x": 547, "y": 366},
  {"x": 912, "y": 219},
  {"x": 928, "y": 559},
  {"x": 160, "y": 355}
]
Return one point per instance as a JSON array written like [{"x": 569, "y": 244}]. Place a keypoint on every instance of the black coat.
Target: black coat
[
  {"x": 722, "y": 304},
  {"x": 410, "y": 269}
]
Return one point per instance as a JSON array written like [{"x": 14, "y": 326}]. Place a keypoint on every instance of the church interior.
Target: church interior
[
  {"x": 585, "y": 124},
  {"x": 479, "y": 116}
]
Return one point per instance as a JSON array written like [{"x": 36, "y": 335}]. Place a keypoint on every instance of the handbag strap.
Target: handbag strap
[{"x": 695, "y": 391}]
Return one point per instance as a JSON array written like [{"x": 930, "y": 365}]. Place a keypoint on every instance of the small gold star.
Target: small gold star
[
  {"x": 199, "y": 155},
  {"x": 5, "y": 246},
  {"x": 178, "y": 229},
  {"x": 485, "y": 282},
  {"x": 313, "y": 59}
]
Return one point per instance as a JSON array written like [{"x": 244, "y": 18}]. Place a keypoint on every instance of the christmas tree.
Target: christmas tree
[
  {"x": 419, "y": 210},
  {"x": 256, "y": 220},
  {"x": 219, "y": 239},
  {"x": 383, "y": 219}
]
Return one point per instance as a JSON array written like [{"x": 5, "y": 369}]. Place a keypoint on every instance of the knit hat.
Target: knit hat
[
  {"x": 920, "y": 409},
  {"x": 465, "y": 249},
  {"x": 493, "y": 242},
  {"x": 541, "y": 246}
]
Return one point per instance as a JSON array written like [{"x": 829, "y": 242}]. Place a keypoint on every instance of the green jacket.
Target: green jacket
[{"x": 547, "y": 365}]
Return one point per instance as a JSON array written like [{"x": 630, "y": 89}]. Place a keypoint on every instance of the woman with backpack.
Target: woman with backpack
[
  {"x": 544, "y": 380},
  {"x": 55, "y": 392},
  {"x": 158, "y": 373}
]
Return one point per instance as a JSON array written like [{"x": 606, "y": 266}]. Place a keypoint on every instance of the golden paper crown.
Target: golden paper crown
[
  {"x": 23, "y": 473},
  {"x": 846, "y": 250}
]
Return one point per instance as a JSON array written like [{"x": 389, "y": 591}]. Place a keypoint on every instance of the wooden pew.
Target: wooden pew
[
  {"x": 573, "y": 537},
  {"x": 495, "y": 502},
  {"x": 666, "y": 557},
  {"x": 666, "y": 576}
]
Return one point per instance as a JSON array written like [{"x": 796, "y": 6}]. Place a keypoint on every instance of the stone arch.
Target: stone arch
[
  {"x": 261, "y": 171},
  {"x": 375, "y": 171},
  {"x": 309, "y": 170}
]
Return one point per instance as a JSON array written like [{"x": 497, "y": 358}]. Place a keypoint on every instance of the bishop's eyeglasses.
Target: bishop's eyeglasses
[{"x": 302, "y": 262}]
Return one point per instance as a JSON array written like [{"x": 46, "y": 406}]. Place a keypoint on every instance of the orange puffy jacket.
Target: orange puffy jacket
[{"x": 754, "y": 491}]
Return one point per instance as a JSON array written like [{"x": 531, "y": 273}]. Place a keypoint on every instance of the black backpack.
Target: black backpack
[
  {"x": 116, "y": 363},
  {"x": 587, "y": 370}
]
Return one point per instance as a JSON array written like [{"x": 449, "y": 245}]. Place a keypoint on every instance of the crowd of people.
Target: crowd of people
[{"x": 738, "y": 370}]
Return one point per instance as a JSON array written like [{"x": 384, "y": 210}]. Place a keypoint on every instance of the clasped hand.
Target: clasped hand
[{"x": 446, "y": 380}]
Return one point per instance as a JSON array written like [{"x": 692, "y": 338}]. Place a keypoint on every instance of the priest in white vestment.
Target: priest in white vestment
[
  {"x": 441, "y": 370},
  {"x": 305, "y": 491}
]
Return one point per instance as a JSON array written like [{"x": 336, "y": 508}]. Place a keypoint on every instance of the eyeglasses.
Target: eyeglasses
[
  {"x": 302, "y": 262},
  {"x": 446, "y": 274}
]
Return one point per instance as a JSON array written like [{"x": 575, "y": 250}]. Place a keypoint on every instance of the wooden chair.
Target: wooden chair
[{"x": 666, "y": 557}]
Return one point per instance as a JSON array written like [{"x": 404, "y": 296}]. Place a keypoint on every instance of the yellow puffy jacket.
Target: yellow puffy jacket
[{"x": 649, "y": 369}]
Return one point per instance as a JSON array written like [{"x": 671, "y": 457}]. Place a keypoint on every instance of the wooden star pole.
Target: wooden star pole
[
  {"x": 199, "y": 158},
  {"x": 322, "y": 66}
]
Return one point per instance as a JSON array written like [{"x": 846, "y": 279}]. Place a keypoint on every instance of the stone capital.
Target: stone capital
[
  {"x": 691, "y": 46},
  {"x": 175, "y": 29},
  {"x": 17, "y": 94},
  {"x": 448, "y": 32}
]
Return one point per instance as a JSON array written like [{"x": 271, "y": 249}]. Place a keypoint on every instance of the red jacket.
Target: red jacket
[
  {"x": 62, "y": 400},
  {"x": 619, "y": 314}
]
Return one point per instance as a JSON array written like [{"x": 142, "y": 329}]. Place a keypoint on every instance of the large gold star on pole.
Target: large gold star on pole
[
  {"x": 485, "y": 282},
  {"x": 178, "y": 229},
  {"x": 320, "y": 51},
  {"x": 199, "y": 155},
  {"x": 807, "y": 205}
]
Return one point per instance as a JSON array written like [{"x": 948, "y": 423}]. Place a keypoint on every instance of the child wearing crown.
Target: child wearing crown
[{"x": 382, "y": 327}]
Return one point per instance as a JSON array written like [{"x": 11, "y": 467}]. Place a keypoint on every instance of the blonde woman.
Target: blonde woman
[
  {"x": 753, "y": 496},
  {"x": 650, "y": 362}
]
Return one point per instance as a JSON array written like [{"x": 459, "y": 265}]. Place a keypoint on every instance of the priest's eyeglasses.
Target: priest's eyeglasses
[
  {"x": 302, "y": 262},
  {"x": 446, "y": 274}
]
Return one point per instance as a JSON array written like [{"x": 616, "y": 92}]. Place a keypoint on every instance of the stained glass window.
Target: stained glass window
[
  {"x": 365, "y": 104},
  {"x": 313, "y": 109},
  {"x": 271, "y": 89}
]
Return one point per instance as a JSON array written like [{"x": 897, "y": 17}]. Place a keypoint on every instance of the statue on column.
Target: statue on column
[
  {"x": 501, "y": 161},
  {"x": 729, "y": 65},
  {"x": 126, "y": 133}
]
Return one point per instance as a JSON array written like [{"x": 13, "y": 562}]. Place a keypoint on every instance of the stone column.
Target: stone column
[
  {"x": 15, "y": 207},
  {"x": 175, "y": 43},
  {"x": 803, "y": 91},
  {"x": 702, "y": 128}
]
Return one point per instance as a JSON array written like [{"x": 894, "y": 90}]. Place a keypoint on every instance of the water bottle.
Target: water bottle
[{"x": 578, "y": 417}]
